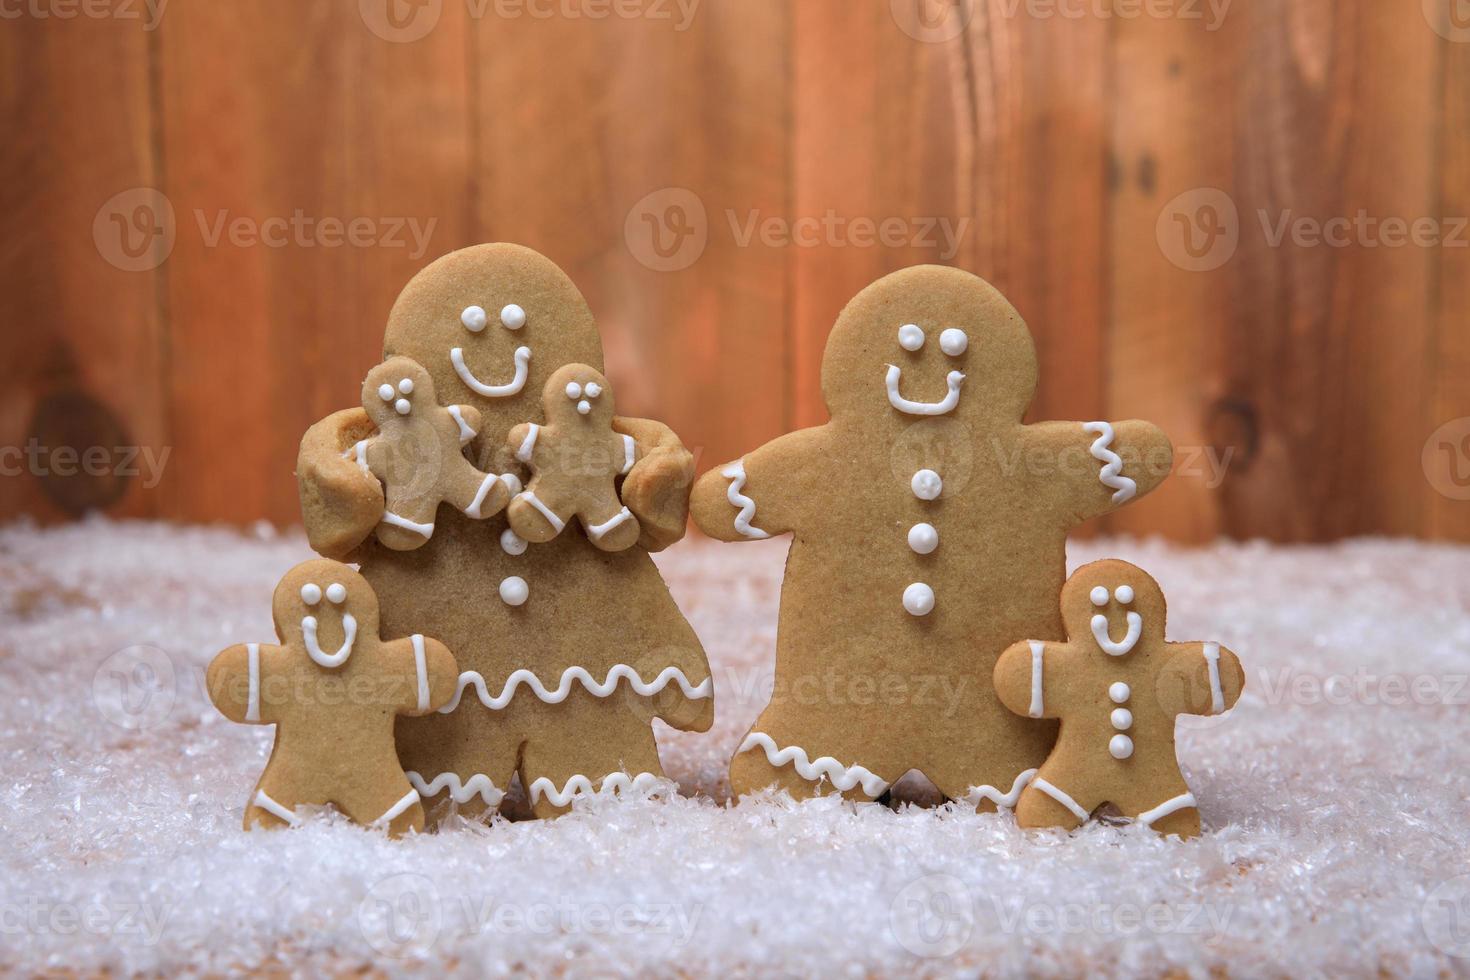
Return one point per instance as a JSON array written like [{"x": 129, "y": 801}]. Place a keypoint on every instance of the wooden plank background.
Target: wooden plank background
[{"x": 1067, "y": 146}]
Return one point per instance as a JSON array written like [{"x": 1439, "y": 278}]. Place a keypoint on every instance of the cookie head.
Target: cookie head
[
  {"x": 576, "y": 392},
  {"x": 491, "y": 323},
  {"x": 326, "y": 607},
  {"x": 1115, "y": 604},
  {"x": 396, "y": 389},
  {"x": 928, "y": 342}
]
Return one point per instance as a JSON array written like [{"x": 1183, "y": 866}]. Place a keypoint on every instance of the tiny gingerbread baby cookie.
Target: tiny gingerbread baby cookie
[
  {"x": 575, "y": 457},
  {"x": 334, "y": 690},
  {"x": 1117, "y": 687},
  {"x": 418, "y": 455}
]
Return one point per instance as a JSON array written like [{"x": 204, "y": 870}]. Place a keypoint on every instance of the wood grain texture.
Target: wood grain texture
[{"x": 698, "y": 170}]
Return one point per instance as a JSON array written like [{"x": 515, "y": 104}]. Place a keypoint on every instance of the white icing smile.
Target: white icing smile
[
  {"x": 954, "y": 380},
  {"x": 511, "y": 387},
  {"x": 313, "y": 648},
  {"x": 1119, "y": 647}
]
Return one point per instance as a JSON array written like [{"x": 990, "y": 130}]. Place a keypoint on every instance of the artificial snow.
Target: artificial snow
[{"x": 1334, "y": 799}]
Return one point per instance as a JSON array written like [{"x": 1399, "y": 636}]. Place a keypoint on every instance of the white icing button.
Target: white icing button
[
  {"x": 1099, "y": 595},
  {"x": 402, "y": 407},
  {"x": 1121, "y": 746},
  {"x": 593, "y": 389},
  {"x": 574, "y": 390},
  {"x": 927, "y": 485},
  {"x": 386, "y": 393},
  {"x": 584, "y": 406},
  {"x": 1122, "y": 719},
  {"x": 512, "y": 543},
  {"x": 513, "y": 317},
  {"x": 514, "y": 591},
  {"x": 512, "y": 483},
  {"x": 918, "y": 599},
  {"x": 311, "y": 593},
  {"x": 337, "y": 593},
  {"x": 923, "y": 538},
  {"x": 473, "y": 318},
  {"x": 910, "y": 336},
  {"x": 406, "y": 386},
  {"x": 1119, "y": 692},
  {"x": 954, "y": 341},
  {"x": 1124, "y": 594}
]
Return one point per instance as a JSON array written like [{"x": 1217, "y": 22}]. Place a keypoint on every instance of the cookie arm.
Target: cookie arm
[
  {"x": 467, "y": 417},
  {"x": 656, "y": 489},
  {"x": 1027, "y": 678},
  {"x": 1099, "y": 466},
  {"x": 340, "y": 502},
  {"x": 429, "y": 669},
  {"x": 236, "y": 681},
  {"x": 760, "y": 495},
  {"x": 1200, "y": 679}
]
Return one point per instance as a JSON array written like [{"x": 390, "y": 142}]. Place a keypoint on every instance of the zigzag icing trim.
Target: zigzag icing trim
[
  {"x": 1111, "y": 475},
  {"x": 617, "y": 782},
  {"x": 841, "y": 777},
  {"x": 576, "y": 675},
  {"x": 1008, "y": 800},
  {"x": 735, "y": 473},
  {"x": 460, "y": 792}
]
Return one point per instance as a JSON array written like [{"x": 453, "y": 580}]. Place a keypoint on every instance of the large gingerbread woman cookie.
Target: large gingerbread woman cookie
[
  {"x": 929, "y": 529},
  {"x": 567, "y": 653},
  {"x": 333, "y": 689},
  {"x": 1117, "y": 686}
]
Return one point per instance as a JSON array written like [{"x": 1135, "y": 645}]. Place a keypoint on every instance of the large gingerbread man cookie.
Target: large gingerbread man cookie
[
  {"x": 929, "y": 531},
  {"x": 1117, "y": 686},
  {"x": 418, "y": 455},
  {"x": 575, "y": 459},
  {"x": 567, "y": 653},
  {"x": 333, "y": 690}
]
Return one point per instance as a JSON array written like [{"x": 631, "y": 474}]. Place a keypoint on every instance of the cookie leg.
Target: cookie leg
[
  {"x": 407, "y": 522},
  {"x": 476, "y": 495},
  {"x": 1045, "y": 804},
  {"x": 763, "y": 762},
  {"x": 533, "y": 519},
  {"x": 1178, "y": 816},
  {"x": 394, "y": 805},
  {"x": 265, "y": 810},
  {"x": 461, "y": 762},
  {"x": 615, "y": 752},
  {"x": 958, "y": 779},
  {"x": 611, "y": 530}
]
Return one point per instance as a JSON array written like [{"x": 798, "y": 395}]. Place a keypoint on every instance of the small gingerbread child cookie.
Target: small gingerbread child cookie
[
  {"x": 333, "y": 689},
  {"x": 418, "y": 455},
  {"x": 576, "y": 458},
  {"x": 1117, "y": 687}
]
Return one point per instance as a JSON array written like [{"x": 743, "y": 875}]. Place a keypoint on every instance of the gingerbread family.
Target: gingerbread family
[{"x": 494, "y": 500}]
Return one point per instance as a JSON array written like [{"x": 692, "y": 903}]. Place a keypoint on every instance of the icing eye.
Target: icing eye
[
  {"x": 593, "y": 389},
  {"x": 910, "y": 336},
  {"x": 406, "y": 386},
  {"x": 954, "y": 341},
  {"x": 386, "y": 393},
  {"x": 311, "y": 593},
  {"x": 513, "y": 317},
  {"x": 1124, "y": 594},
  {"x": 1099, "y": 595},
  {"x": 574, "y": 391},
  {"x": 402, "y": 406},
  {"x": 584, "y": 406},
  {"x": 473, "y": 318},
  {"x": 337, "y": 593}
]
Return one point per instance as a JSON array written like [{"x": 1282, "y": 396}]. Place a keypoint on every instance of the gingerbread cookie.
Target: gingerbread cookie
[
  {"x": 567, "y": 652},
  {"x": 418, "y": 455},
  {"x": 929, "y": 530},
  {"x": 1117, "y": 686},
  {"x": 332, "y": 688},
  {"x": 575, "y": 459}
]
